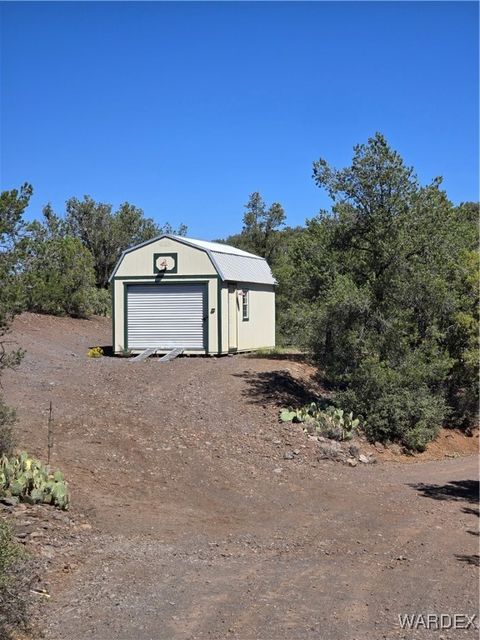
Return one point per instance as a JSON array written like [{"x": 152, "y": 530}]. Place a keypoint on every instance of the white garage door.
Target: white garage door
[{"x": 166, "y": 316}]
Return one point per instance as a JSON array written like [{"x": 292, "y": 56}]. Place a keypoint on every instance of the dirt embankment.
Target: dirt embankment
[{"x": 201, "y": 528}]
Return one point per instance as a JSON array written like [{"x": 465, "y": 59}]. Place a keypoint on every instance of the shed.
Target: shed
[{"x": 205, "y": 297}]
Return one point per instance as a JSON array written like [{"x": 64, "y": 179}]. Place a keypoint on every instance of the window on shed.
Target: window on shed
[{"x": 245, "y": 305}]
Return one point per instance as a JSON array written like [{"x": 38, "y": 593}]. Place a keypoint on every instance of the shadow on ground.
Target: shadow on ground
[
  {"x": 291, "y": 357},
  {"x": 473, "y": 560},
  {"x": 456, "y": 490},
  {"x": 466, "y": 490},
  {"x": 107, "y": 350},
  {"x": 277, "y": 387}
]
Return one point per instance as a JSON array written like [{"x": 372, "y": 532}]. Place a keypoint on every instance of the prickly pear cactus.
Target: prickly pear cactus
[
  {"x": 331, "y": 422},
  {"x": 31, "y": 481}
]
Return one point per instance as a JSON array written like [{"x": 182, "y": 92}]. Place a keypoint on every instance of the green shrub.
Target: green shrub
[
  {"x": 7, "y": 420},
  {"x": 59, "y": 278},
  {"x": 398, "y": 404},
  {"x": 292, "y": 323},
  {"x": 9, "y": 551},
  {"x": 101, "y": 302},
  {"x": 30, "y": 481},
  {"x": 17, "y": 571}
]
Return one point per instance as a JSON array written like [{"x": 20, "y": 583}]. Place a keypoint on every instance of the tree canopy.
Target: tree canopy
[
  {"x": 383, "y": 284},
  {"x": 261, "y": 225},
  {"x": 12, "y": 206},
  {"x": 106, "y": 233},
  {"x": 382, "y": 290}
]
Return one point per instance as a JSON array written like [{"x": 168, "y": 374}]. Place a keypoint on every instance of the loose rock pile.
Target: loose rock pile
[{"x": 344, "y": 452}]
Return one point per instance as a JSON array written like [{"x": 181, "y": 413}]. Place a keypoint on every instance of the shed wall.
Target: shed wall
[{"x": 259, "y": 330}]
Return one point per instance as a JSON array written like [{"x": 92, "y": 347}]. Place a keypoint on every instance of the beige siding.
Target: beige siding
[
  {"x": 259, "y": 330},
  {"x": 191, "y": 261},
  {"x": 117, "y": 316}
]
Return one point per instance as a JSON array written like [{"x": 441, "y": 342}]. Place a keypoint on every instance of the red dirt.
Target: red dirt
[{"x": 201, "y": 529}]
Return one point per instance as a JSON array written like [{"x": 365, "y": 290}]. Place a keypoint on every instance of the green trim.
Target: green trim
[
  {"x": 213, "y": 276},
  {"x": 219, "y": 318},
  {"x": 174, "y": 269},
  {"x": 206, "y": 314},
  {"x": 232, "y": 287},
  {"x": 206, "y": 310},
  {"x": 112, "y": 284},
  {"x": 125, "y": 332},
  {"x": 247, "y": 319},
  {"x": 262, "y": 286},
  {"x": 159, "y": 278}
]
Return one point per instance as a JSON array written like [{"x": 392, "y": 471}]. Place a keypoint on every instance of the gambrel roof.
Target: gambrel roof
[{"x": 232, "y": 264}]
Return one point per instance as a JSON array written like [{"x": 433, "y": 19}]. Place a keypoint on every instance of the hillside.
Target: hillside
[{"x": 188, "y": 521}]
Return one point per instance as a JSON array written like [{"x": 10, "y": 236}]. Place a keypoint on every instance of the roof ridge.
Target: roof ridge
[{"x": 218, "y": 247}]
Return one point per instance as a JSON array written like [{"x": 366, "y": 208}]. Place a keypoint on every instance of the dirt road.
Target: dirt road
[{"x": 201, "y": 528}]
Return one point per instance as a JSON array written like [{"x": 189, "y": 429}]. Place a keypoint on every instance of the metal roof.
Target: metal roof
[
  {"x": 232, "y": 264},
  {"x": 243, "y": 269},
  {"x": 218, "y": 247}
]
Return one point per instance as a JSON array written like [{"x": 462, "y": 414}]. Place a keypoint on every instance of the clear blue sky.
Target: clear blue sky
[{"x": 185, "y": 108}]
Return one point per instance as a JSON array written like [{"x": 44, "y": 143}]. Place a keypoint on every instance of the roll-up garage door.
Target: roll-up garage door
[{"x": 166, "y": 316}]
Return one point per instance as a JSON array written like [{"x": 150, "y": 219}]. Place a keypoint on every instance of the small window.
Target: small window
[{"x": 245, "y": 305}]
